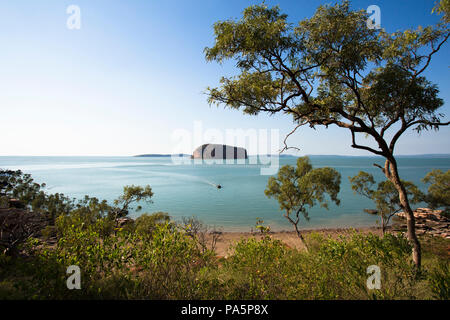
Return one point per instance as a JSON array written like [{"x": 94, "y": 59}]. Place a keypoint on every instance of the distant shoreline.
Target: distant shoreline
[
  {"x": 425, "y": 155},
  {"x": 156, "y": 155}
]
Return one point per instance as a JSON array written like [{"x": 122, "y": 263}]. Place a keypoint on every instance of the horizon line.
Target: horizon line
[{"x": 149, "y": 155}]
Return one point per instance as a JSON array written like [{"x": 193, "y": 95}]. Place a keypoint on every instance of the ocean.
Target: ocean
[{"x": 189, "y": 189}]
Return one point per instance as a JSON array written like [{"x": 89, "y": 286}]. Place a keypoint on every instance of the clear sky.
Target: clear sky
[{"x": 135, "y": 73}]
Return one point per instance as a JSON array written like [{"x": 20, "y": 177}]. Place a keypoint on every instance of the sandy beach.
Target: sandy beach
[{"x": 290, "y": 238}]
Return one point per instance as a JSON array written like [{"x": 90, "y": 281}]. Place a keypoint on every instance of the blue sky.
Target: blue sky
[{"x": 135, "y": 73}]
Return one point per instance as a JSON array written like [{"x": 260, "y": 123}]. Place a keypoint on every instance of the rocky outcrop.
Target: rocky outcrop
[
  {"x": 219, "y": 151},
  {"x": 428, "y": 221}
]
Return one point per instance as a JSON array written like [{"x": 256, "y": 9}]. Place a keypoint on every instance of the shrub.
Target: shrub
[
  {"x": 439, "y": 279},
  {"x": 332, "y": 269},
  {"x": 146, "y": 223},
  {"x": 257, "y": 267}
]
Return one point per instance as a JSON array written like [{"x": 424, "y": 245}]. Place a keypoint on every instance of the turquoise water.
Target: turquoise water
[{"x": 189, "y": 189}]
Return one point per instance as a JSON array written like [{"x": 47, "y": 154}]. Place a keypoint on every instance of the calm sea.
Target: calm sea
[{"x": 190, "y": 189}]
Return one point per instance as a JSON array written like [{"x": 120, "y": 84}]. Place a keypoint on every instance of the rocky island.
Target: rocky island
[{"x": 219, "y": 151}]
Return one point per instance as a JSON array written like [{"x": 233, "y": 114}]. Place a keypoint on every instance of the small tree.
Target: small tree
[
  {"x": 385, "y": 195},
  {"x": 21, "y": 186},
  {"x": 438, "y": 195},
  {"x": 131, "y": 194},
  {"x": 199, "y": 231},
  {"x": 299, "y": 189}
]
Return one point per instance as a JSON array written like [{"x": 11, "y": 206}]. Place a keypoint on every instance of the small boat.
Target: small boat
[{"x": 219, "y": 186}]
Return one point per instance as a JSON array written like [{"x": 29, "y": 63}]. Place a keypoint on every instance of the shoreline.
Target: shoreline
[
  {"x": 228, "y": 238},
  {"x": 284, "y": 229}
]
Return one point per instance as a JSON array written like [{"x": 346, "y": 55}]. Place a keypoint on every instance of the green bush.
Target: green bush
[
  {"x": 439, "y": 279},
  {"x": 257, "y": 265},
  {"x": 331, "y": 269},
  {"x": 120, "y": 265},
  {"x": 171, "y": 265},
  {"x": 154, "y": 258},
  {"x": 146, "y": 223}
]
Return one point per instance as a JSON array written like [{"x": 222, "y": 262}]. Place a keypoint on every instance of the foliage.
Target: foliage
[
  {"x": 130, "y": 195},
  {"x": 366, "y": 76},
  {"x": 171, "y": 265},
  {"x": 21, "y": 186},
  {"x": 206, "y": 236},
  {"x": 299, "y": 189},
  {"x": 264, "y": 230},
  {"x": 146, "y": 223},
  {"x": 439, "y": 279},
  {"x": 385, "y": 195},
  {"x": 16, "y": 227},
  {"x": 257, "y": 265},
  {"x": 443, "y": 7},
  {"x": 16, "y": 184},
  {"x": 332, "y": 70},
  {"x": 332, "y": 269},
  {"x": 439, "y": 190},
  {"x": 122, "y": 265}
]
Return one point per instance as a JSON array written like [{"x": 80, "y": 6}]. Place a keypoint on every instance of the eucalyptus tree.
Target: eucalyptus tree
[
  {"x": 438, "y": 195},
  {"x": 384, "y": 195},
  {"x": 332, "y": 70},
  {"x": 131, "y": 194},
  {"x": 299, "y": 189}
]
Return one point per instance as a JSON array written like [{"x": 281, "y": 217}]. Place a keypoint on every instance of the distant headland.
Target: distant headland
[{"x": 159, "y": 155}]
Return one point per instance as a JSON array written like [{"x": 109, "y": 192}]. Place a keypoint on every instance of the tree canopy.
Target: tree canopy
[
  {"x": 299, "y": 189},
  {"x": 384, "y": 195},
  {"x": 332, "y": 70},
  {"x": 438, "y": 195}
]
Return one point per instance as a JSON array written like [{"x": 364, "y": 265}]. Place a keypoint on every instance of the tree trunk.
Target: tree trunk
[
  {"x": 301, "y": 237},
  {"x": 392, "y": 175}
]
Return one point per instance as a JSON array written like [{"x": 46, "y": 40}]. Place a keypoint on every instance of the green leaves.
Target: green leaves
[
  {"x": 134, "y": 194},
  {"x": 443, "y": 7},
  {"x": 363, "y": 183},
  {"x": 131, "y": 194},
  {"x": 300, "y": 188},
  {"x": 254, "y": 90},
  {"x": 331, "y": 69},
  {"x": 259, "y": 30},
  {"x": 439, "y": 189},
  {"x": 385, "y": 195},
  {"x": 338, "y": 40},
  {"x": 146, "y": 223}
]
